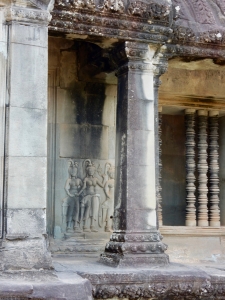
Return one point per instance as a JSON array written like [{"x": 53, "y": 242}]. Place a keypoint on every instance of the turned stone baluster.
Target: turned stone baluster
[
  {"x": 214, "y": 211},
  {"x": 160, "y": 218},
  {"x": 202, "y": 168},
  {"x": 190, "y": 167}
]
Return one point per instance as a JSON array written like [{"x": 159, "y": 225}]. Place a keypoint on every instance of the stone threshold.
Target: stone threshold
[
  {"x": 35, "y": 284},
  {"x": 192, "y": 231},
  {"x": 168, "y": 282}
]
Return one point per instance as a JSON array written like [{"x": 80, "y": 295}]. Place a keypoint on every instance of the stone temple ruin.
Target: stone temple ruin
[{"x": 112, "y": 149}]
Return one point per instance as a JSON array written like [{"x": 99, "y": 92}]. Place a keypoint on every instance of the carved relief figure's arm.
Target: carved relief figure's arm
[
  {"x": 67, "y": 188},
  {"x": 79, "y": 186},
  {"x": 106, "y": 189},
  {"x": 83, "y": 188},
  {"x": 99, "y": 183}
]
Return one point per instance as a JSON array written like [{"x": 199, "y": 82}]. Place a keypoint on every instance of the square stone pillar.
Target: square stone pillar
[
  {"x": 25, "y": 244},
  {"x": 136, "y": 239}
]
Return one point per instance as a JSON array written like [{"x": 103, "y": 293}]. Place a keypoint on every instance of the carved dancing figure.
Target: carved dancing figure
[
  {"x": 108, "y": 204},
  {"x": 90, "y": 203},
  {"x": 71, "y": 205}
]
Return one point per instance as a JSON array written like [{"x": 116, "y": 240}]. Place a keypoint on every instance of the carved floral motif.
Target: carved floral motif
[
  {"x": 221, "y": 4},
  {"x": 151, "y": 11},
  {"x": 115, "y": 6},
  {"x": 138, "y": 8},
  {"x": 203, "y": 12}
]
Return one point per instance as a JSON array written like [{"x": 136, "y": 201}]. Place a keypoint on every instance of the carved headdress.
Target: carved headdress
[
  {"x": 88, "y": 164},
  {"x": 71, "y": 165}
]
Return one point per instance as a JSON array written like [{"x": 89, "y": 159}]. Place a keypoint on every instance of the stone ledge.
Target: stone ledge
[
  {"x": 192, "y": 231},
  {"x": 40, "y": 285},
  {"x": 171, "y": 282}
]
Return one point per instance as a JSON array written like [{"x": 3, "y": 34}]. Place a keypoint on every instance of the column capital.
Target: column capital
[
  {"x": 202, "y": 112},
  {"x": 189, "y": 111},
  {"x": 137, "y": 56},
  {"x": 213, "y": 113}
]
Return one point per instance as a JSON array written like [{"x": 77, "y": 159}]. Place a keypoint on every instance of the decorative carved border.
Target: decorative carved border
[
  {"x": 126, "y": 28},
  {"x": 27, "y": 15}
]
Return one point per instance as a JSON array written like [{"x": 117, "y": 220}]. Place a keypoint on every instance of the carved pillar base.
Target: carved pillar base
[{"x": 126, "y": 249}]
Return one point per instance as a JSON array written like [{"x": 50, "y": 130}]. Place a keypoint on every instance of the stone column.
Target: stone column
[
  {"x": 202, "y": 168},
  {"x": 190, "y": 167},
  {"x": 136, "y": 239},
  {"x": 214, "y": 210},
  {"x": 159, "y": 195},
  {"x": 25, "y": 244}
]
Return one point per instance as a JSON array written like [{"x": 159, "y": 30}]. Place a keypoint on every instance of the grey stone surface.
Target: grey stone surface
[
  {"x": 83, "y": 141},
  {"x": 27, "y": 132},
  {"x": 31, "y": 222},
  {"x": 3, "y": 93},
  {"x": 23, "y": 93},
  {"x": 20, "y": 252},
  {"x": 26, "y": 145},
  {"x": 68, "y": 69},
  {"x": 27, "y": 182},
  {"x": 31, "y": 285},
  {"x": 29, "y": 35}
]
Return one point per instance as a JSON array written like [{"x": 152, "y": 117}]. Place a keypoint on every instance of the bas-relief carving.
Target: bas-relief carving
[{"x": 84, "y": 209}]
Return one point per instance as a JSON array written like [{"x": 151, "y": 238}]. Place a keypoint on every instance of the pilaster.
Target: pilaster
[
  {"x": 3, "y": 100},
  {"x": 136, "y": 239},
  {"x": 25, "y": 244}
]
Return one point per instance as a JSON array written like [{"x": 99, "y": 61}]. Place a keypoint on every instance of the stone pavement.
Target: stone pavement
[{"x": 82, "y": 277}]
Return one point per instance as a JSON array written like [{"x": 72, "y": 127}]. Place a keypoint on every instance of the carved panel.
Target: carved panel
[{"x": 89, "y": 203}]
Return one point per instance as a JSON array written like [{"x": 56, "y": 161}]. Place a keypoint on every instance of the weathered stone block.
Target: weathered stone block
[
  {"x": 24, "y": 223},
  {"x": 108, "y": 114},
  {"x": 29, "y": 35},
  {"x": 27, "y": 182},
  {"x": 140, "y": 115},
  {"x": 27, "y": 132},
  {"x": 68, "y": 69},
  {"x": 141, "y": 148},
  {"x": 29, "y": 88},
  {"x": 140, "y": 219},
  {"x": 25, "y": 254},
  {"x": 84, "y": 141}
]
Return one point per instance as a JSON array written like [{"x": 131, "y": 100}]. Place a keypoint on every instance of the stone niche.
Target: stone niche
[{"x": 81, "y": 139}]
